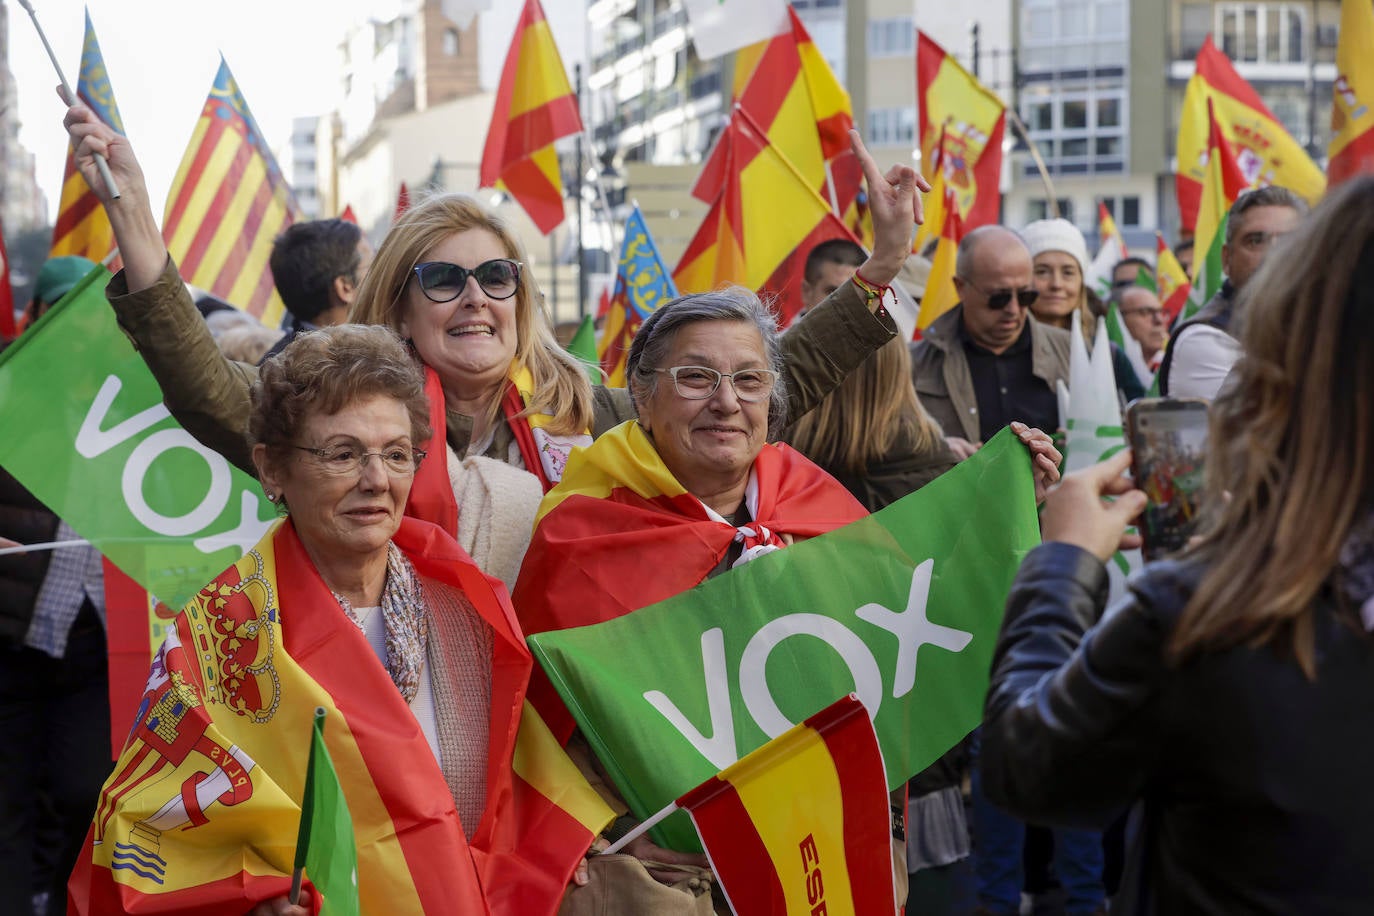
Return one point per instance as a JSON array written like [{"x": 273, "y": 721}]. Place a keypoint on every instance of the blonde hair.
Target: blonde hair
[
  {"x": 1292, "y": 440},
  {"x": 863, "y": 420},
  {"x": 561, "y": 389}
]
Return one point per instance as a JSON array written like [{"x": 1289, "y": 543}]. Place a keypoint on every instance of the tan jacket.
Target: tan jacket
[
  {"x": 209, "y": 395},
  {"x": 939, "y": 369}
]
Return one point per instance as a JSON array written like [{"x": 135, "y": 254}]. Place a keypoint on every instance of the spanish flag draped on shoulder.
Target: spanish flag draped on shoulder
[
  {"x": 1266, "y": 152},
  {"x": 901, "y": 607},
  {"x": 227, "y": 203},
  {"x": 534, "y": 107},
  {"x": 1352, "y": 97},
  {"x": 82, "y": 226},
  {"x": 202, "y": 810},
  {"x": 973, "y": 120}
]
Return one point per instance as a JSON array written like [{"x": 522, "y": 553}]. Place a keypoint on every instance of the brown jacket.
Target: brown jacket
[
  {"x": 209, "y": 395},
  {"x": 939, "y": 369}
]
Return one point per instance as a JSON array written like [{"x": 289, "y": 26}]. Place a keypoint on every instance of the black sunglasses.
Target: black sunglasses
[
  {"x": 1002, "y": 298},
  {"x": 441, "y": 281}
]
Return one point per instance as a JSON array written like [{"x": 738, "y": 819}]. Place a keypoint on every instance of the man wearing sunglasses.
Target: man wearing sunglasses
[{"x": 986, "y": 362}]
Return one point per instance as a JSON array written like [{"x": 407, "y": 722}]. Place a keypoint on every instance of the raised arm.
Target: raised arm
[
  {"x": 834, "y": 338},
  {"x": 208, "y": 394}
]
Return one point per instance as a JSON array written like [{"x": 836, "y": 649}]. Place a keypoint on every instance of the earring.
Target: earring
[{"x": 271, "y": 497}]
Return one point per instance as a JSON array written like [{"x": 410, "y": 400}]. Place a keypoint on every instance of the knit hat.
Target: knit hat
[
  {"x": 58, "y": 275},
  {"x": 1057, "y": 235}
]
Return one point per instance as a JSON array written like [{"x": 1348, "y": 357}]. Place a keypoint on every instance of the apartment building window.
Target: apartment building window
[
  {"x": 891, "y": 37},
  {"x": 1039, "y": 208},
  {"x": 1124, "y": 209},
  {"x": 892, "y": 126},
  {"x": 1262, "y": 33},
  {"x": 1080, "y": 129}
]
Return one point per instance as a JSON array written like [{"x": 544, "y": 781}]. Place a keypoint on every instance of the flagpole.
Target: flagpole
[
  {"x": 1052, "y": 200},
  {"x": 303, "y": 834},
  {"x": 46, "y": 545},
  {"x": 640, "y": 830},
  {"x": 70, "y": 97}
]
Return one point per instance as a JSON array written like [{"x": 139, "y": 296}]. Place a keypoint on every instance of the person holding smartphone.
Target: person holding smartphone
[{"x": 1218, "y": 696}]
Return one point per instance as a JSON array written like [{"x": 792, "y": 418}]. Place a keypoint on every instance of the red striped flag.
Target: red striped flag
[
  {"x": 228, "y": 202},
  {"x": 534, "y": 107},
  {"x": 800, "y": 826},
  {"x": 82, "y": 226},
  {"x": 402, "y": 202}
]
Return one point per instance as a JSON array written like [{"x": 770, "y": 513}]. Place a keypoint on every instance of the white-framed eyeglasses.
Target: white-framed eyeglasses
[{"x": 696, "y": 383}]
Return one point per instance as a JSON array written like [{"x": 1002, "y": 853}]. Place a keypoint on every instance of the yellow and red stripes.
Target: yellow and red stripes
[{"x": 801, "y": 825}]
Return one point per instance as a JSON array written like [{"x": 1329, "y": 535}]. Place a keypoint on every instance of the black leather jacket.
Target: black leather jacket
[{"x": 1256, "y": 785}]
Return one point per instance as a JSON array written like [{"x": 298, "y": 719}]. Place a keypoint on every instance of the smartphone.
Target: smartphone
[{"x": 1168, "y": 443}]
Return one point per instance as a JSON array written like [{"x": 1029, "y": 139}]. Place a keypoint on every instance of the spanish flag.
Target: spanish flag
[
  {"x": 791, "y": 93},
  {"x": 1171, "y": 279},
  {"x": 940, "y": 295},
  {"x": 534, "y": 107},
  {"x": 1222, "y": 183},
  {"x": 1267, "y": 154},
  {"x": 201, "y": 812},
  {"x": 228, "y": 201},
  {"x": 765, "y": 220},
  {"x": 801, "y": 826},
  {"x": 82, "y": 226},
  {"x": 935, "y": 201},
  {"x": 974, "y": 121},
  {"x": 1352, "y": 97}
]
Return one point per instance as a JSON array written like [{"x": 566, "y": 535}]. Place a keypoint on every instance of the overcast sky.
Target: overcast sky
[{"x": 162, "y": 55}]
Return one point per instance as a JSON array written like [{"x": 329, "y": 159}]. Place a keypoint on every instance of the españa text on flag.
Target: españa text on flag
[
  {"x": 901, "y": 608},
  {"x": 816, "y": 792}
]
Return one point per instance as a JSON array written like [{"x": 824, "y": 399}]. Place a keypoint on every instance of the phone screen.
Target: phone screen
[{"x": 1169, "y": 440}]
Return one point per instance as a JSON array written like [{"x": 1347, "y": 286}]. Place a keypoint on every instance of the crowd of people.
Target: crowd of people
[{"x": 421, "y": 431}]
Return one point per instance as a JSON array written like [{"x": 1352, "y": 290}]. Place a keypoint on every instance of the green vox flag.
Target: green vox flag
[
  {"x": 88, "y": 434},
  {"x": 325, "y": 847},
  {"x": 901, "y": 608},
  {"x": 583, "y": 346}
]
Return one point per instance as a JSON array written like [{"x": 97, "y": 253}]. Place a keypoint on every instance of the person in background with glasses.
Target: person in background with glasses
[
  {"x": 1202, "y": 350},
  {"x": 349, "y": 605},
  {"x": 1145, "y": 321},
  {"x": 449, "y": 277},
  {"x": 984, "y": 364}
]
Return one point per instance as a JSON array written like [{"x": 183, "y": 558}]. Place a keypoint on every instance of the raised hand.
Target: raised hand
[{"x": 894, "y": 202}]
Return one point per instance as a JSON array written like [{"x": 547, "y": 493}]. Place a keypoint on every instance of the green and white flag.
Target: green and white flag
[
  {"x": 1118, "y": 334},
  {"x": 88, "y": 434},
  {"x": 325, "y": 846},
  {"x": 901, "y": 608},
  {"x": 1092, "y": 415}
]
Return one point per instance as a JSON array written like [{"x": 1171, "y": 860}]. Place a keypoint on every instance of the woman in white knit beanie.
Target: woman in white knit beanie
[{"x": 1061, "y": 262}]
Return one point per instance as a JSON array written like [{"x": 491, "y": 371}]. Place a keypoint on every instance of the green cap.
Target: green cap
[{"x": 58, "y": 275}]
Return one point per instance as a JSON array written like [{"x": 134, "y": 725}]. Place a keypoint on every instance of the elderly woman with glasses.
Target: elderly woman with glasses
[
  {"x": 349, "y": 606},
  {"x": 449, "y": 279},
  {"x": 689, "y": 490}
]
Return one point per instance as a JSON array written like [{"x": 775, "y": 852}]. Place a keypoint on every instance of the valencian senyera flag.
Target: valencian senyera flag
[
  {"x": 1266, "y": 153},
  {"x": 82, "y": 226},
  {"x": 974, "y": 121},
  {"x": 102, "y": 450},
  {"x": 228, "y": 202},
  {"x": 815, "y": 793},
  {"x": 1351, "y": 151},
  {"x": 902, "y": 608},
  {"x": 642, "y": 284},
  {"x": 534, "y": 107},
  {"x": 201, "y": 813},
  {"x": 765, "y": 220}
]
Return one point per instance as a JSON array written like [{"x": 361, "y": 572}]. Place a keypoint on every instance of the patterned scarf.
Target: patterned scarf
[{"x": 407, "y": 624}]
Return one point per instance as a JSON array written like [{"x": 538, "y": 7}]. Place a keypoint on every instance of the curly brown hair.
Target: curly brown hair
[{"x": 325, "y": 370}]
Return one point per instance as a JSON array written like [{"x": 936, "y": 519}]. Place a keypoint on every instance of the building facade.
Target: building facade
[{"x": 22, "y": 204}]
